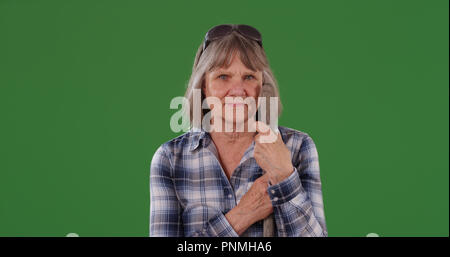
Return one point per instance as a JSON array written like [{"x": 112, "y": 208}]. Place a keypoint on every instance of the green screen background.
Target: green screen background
[{"x": 85, "y": 88}]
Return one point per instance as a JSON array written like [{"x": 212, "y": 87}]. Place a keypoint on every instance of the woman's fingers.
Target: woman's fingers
[
  {"x": 265, "y": 133},
  {"x": 264, "y": 178},
  {"x": 262, "y": 128}
]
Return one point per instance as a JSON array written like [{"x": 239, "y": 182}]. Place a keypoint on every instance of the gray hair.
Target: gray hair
[{"x": 219, "y": 53}]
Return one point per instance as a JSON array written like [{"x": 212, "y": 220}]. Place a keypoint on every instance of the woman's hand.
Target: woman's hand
[
  {"x": 255, "y": 205},
  {"x": 271, "y": 154}
]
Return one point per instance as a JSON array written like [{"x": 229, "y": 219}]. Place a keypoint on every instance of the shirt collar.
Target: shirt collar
[
  {"x": 203, "y": 137},
  {"x": 248, "y": 153},
  {"x": 197, "y": 136},
  {"x": 200, "y": 136}
]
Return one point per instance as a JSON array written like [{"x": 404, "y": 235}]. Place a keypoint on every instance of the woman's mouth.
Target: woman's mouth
[{"x": 235, "y": 104}]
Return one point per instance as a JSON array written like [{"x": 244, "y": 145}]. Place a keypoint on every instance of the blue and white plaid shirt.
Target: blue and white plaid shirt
[{"x": 190, "y": 193}]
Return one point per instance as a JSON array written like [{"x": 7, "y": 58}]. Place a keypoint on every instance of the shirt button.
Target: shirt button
[
  {"x": 229, "y": 196},
  {"x": 272, "y": 191},
  {"x": 275, "y": 199}
]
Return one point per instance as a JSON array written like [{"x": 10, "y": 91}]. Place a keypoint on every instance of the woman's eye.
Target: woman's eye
[
  {"x": 222, "y": 76},
  {"x": 249, "y": 77}
]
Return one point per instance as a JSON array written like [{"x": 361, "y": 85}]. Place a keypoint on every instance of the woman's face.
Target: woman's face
[{"x": 234, "y": 81}]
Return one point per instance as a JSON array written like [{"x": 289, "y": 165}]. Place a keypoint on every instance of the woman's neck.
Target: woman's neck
[{"x": 232, "y": 137}]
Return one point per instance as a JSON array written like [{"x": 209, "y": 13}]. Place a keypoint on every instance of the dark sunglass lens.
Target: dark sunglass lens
[
  {"x": 218, "y": 31},
  {"x": 250, "y": 32}
]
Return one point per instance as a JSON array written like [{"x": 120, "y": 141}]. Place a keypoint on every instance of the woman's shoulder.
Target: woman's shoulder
[
  {"x": 296, "y": 139},
  {"x": 290, "y": 132},
  {"x": 182, "y": 142},
  {"x": 169, "y": 150}
]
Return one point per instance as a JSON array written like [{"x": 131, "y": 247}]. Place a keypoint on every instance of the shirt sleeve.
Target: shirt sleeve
[
  {"x": 165, "y": 209},
  {"x": 297, "y": 200},
  {"x": 216, "y": 226},
  {"x": 166, "y": 212}
]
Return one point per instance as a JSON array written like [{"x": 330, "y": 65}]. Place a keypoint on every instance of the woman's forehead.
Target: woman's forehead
[
  {"x": 236, "y": 65},
  {"x": 234, "y": 59},
  {"x": 234, "y": 69}
]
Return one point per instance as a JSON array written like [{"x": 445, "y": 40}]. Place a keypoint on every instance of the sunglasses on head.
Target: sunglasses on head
[{"x": 224, "y": 30}]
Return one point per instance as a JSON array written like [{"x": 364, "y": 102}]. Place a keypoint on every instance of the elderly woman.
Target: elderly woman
[{"x": 230, "y": 183}]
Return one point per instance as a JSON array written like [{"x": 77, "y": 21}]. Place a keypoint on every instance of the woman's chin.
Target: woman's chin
[{"x": 235, "y": 125}]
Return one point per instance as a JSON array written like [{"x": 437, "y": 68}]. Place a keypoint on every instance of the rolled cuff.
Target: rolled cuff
[
  {"x": 287, "y": 189},
  {"x": 219, "y": 226}
]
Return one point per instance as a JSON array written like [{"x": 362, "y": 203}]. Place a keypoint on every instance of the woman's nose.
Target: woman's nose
[{"x": 237, "y": 88}]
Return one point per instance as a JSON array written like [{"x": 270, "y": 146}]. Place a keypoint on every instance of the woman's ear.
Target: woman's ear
[
  {"x": 203, "y": 87},
  {"x": 204, "y": 80}
]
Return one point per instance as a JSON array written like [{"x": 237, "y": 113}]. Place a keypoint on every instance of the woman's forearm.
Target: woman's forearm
[{"x": 239, "y": 219}]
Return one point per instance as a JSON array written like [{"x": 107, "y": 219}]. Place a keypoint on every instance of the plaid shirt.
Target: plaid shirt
[{"x": 190, "y": 193}]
